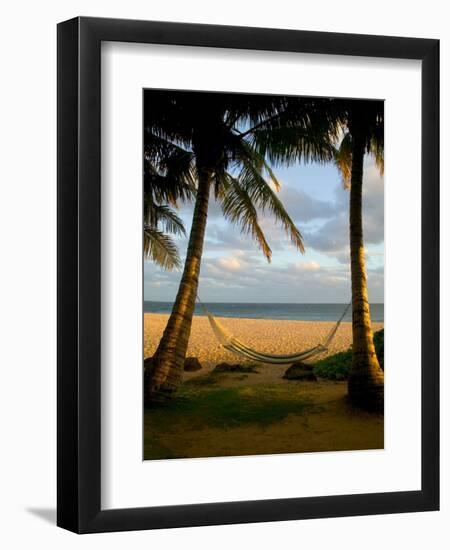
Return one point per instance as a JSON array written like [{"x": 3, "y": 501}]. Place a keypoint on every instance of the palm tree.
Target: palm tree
[
  {"x": 226, "y": 137},
  {"x": 364, "y": 122}
]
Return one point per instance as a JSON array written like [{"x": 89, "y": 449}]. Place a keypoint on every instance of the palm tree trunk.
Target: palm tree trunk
[
  {"x": 366, "y": 379},
  {"x": 166, "y": 366}
]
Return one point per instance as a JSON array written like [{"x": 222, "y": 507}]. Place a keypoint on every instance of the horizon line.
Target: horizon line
[{"x": 265, "y": 303}]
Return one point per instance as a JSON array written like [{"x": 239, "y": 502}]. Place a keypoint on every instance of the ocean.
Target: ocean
[{"x": 292, "y": 312}]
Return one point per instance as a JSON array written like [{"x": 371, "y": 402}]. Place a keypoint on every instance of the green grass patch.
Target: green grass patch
[
  {"x": 337, "y": 366},
  {"x": 169, "y": 426},
  {"x": 202, "y": 407}
]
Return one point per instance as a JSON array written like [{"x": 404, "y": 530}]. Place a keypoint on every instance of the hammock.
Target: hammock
[{"x": 230, "y": 343}]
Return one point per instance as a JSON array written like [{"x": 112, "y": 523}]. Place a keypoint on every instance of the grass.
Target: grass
[
  {"x": 227, "y": 407},
  {"x": 337, "y": 366},
  {"x": 199, "y": 405}
]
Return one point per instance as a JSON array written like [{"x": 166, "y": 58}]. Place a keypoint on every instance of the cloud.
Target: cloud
[
  {"x": 301, "y": 207},
  {"x": 324, "y": 224},
  {"x": 222, "y": 235},
  {"x": 332, "y": 237},
  {"x": 226, "y": 237},
  {"x": 307, "y": 266},
  {"x": 230, "y": 264},
  {"x": 234, "y": 269},
  {"x": 256, "y": 281}
]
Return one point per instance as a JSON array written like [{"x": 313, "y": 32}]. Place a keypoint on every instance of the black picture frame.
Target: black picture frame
[{"x": 79, "y": 281}]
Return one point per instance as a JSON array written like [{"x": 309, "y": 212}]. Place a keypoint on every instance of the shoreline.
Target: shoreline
[
  {"x": 265, "y": 335},
  {"x": 244, "y": 310}
]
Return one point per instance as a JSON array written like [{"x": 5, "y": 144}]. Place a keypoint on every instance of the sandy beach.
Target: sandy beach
[{"x": 271, "y": 336}]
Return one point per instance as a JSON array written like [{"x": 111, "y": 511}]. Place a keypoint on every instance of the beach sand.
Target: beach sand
[
  {"x": 260, "y": 412},
  {"x": 271, "y": 336}
]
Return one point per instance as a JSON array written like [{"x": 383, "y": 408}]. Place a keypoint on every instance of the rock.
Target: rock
[
  {"x": 302, "y": 366},
  {"x": 300, "y": 371},
  {"x": 227, "y": 367},
  {"x": 192, "y": 364}
]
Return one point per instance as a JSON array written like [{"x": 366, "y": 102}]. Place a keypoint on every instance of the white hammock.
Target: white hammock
[{"x": 229, "y": 342}]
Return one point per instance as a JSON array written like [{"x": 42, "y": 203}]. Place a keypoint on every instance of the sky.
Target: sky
[{"x": 235, "y": 270}]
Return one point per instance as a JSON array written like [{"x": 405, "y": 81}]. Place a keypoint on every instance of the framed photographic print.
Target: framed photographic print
[{"x": 248, "y": 259}]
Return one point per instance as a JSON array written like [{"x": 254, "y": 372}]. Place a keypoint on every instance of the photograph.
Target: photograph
[{"x": 263, "y": 247}]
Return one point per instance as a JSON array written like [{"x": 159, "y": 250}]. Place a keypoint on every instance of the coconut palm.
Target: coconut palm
[
  {"x": 226, "y": 137},
  {"x": 363, "y": 121}
]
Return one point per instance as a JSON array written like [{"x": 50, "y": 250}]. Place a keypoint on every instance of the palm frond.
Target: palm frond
[
  {"x": 220, "y": 184},
  {"x": 238, "y": 208},
  {"x": 156, "y": 215},
  {"x": 169, "y": 173},
  {"x": 161, "y": 249},
  {"x": 377, "y": 150},
  {"x": 288, "y": 145},
  {"x": 252, "y": 180},
  {"x": 343, "y": 159},
  {"x": 249, "y": 156},
  {"x": 158, "y": 245},
  {"x": 304, "y": 129}
]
